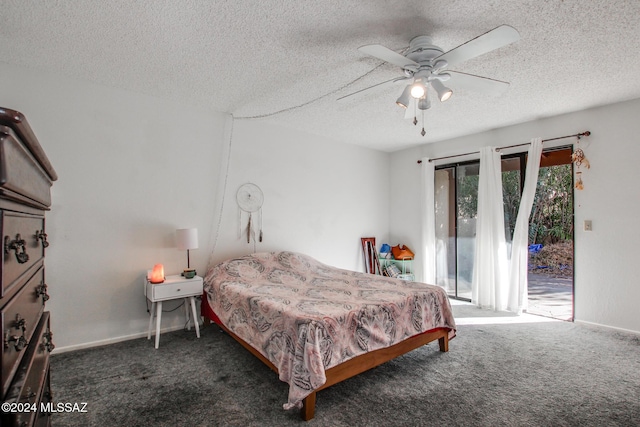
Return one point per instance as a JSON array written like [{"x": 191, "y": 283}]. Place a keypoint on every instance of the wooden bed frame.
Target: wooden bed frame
[{"x": 355, "y": 366}]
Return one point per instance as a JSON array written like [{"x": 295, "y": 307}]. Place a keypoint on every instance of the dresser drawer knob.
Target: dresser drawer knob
[
  {"x": 42, "y": 290},
  {"x": 41, "y": 235},
  {"x": 20, "y": 323},
  {"x": 48, "y": 343},
  {"x": 18, "y": 245},
  {"x": 20, "y": 341}
]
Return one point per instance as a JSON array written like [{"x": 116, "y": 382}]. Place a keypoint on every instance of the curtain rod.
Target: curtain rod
[{"x": 577, "y": 135}]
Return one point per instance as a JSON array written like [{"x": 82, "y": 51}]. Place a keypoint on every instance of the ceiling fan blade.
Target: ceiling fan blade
[
  {"x": 380, "y": 85},
  {"x": 386, "y": 54},
  {"x": 475, "y": 83},
  {"x": 491, "y": 40}
]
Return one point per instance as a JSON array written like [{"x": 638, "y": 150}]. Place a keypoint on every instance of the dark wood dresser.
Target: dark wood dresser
[{"x": 26, "y": 177}]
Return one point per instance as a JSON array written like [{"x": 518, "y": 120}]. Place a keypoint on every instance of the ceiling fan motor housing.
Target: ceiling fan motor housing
[{"x": 421, "y": 50}]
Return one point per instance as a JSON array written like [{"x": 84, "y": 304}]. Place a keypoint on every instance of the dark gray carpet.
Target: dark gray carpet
[{"x": 538, "y": 374}]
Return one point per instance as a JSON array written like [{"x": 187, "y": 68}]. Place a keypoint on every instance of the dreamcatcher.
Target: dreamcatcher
[{"x": 250, "y": 199}]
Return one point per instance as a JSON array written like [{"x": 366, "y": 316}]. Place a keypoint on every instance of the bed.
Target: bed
[{"x": 316, "y": 325}]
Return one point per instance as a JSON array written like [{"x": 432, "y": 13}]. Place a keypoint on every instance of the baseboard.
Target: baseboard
[
  {"x": 628, "y": 331},
  {"x": 107, "y": 341}
]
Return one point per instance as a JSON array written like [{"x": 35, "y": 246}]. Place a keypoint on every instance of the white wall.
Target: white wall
[
  {"x": 320, "y": 196},
  {"x": 606, "y": 280},
  {"x": 133, "y": 168}
]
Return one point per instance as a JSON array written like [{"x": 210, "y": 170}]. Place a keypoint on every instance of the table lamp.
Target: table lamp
[{"x": 186, "y": 239}]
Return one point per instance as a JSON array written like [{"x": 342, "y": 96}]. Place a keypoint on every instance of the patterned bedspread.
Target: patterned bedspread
[{"x": 306, "y": 317}]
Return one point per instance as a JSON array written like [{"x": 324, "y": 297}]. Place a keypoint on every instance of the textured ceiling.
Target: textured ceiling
[{"x": 255, "y": 58}]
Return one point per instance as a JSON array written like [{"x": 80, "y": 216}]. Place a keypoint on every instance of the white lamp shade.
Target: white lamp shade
[
  {"x": 444, "y": 92},
  {"x": 187, "y": 238},
  {"x": 403, "y": 101}
]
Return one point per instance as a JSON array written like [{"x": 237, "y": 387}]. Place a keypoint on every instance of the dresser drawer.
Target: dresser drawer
[
  {"x": 18, "y": 123},
  {"x": 19, "y": 320},
  {"x": 22, "y": 247},
  {"x": 31, "y": 378},
  {"x": 21, "y": 177}
]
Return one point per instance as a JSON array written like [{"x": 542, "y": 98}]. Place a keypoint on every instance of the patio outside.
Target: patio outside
[{"x": 551, "y": 280}]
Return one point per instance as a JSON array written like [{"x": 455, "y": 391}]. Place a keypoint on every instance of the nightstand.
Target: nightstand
[{"x": 173, "y": 287}]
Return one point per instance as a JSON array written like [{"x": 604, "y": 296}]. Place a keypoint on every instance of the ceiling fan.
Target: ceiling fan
[{"x": 426, "y": 66}]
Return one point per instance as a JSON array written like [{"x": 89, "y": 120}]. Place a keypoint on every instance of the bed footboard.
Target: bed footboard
[{"x": 367, "y": 361}]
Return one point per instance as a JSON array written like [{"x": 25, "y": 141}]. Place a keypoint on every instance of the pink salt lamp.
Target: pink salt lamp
[{"x": 157, "y": 274}]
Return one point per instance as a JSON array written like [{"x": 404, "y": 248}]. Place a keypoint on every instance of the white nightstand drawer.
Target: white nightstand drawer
[{"x": 174, "y": 287}]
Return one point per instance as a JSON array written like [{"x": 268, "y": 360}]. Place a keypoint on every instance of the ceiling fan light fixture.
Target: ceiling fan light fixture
[
  {"x": 403, "y": 100},
  {"x": 424, "y": 104},
  {"x": 418, "y": 89},
  {"x": 444, "y": 93}
]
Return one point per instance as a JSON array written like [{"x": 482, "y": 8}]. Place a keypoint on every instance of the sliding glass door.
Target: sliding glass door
[
  {"x": 551, "y": 227},
  {"x": 445, "y": 215},
  {"x": 456, "y": 198}
]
